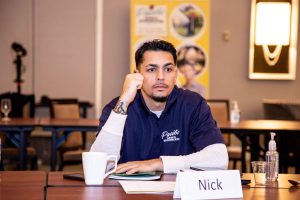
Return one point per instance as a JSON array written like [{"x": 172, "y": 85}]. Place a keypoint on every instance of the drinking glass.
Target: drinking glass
[
  {"x": 259, "y": 171},
  {"x": 5, "y": 108}
]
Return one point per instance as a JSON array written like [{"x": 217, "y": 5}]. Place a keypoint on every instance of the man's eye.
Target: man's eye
[
  {"x": 151, "y": 70},
  {"x": 169, "y": 69}
]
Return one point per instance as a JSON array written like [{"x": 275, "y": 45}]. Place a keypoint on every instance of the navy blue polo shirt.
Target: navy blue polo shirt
[{"x": 184, "y": 127}]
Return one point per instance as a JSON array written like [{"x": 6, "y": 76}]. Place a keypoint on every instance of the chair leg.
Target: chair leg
[
  {"x": 1, "y": 165},
  {"x": 34, "y": 163},
  {"x": 61, "y": 166},
  {"x": 234, "y": 164}
]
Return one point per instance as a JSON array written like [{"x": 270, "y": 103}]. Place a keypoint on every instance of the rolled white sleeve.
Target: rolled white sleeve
[
  {"x": 115, "y": 123},
  {"x": 110, "y": 137},
  {"x": 213, "y": 156}
]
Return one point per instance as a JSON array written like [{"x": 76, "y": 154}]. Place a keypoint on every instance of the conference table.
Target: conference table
[
  {"x": 16, "y": 129},
  {"x": 58, "y": 188},
  {"x": 52, "y": 185},
  {"x": 260, "y": 126},
  {"x": 255, "y": 127},
  {"x": 22, "y": 185},
  {"x": 117, "y": 193},
  {"x": 67, "y": 126}
]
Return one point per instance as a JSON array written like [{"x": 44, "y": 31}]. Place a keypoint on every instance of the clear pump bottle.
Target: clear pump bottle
[
  {"x": 235, "y": 113},
  {"x": 272, "y": 160}
]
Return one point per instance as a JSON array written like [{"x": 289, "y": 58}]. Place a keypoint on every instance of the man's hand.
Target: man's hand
[
  {"x": 140, "y": 166},
  {"x": 132, "y": 83}
]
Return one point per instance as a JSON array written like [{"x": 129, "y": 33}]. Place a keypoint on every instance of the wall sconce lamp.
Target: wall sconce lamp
[{"x": 273, "y": 39}]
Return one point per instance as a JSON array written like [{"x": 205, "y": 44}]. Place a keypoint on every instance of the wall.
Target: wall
[
  {"x": 59, "y": 36},
  {"x": 65, "y": 48},
  {"x": 116, "y": 20},
  {"x": 228, "y": 61},
  {"x": 15, "y": 25}
]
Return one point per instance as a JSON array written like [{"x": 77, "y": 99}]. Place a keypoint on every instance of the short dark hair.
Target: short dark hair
[{"x": 154, "y": 45}]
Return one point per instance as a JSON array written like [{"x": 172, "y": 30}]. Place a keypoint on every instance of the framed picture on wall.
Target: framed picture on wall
[
  {"x": 282, "y": 70},
  {"x": 273, "y": 40}
]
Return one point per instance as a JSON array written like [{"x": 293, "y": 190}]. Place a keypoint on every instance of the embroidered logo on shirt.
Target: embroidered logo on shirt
[{"x": 170, "y": 136}]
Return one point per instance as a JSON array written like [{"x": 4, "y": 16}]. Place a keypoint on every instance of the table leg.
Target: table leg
[
  {"x": 53, "y": 151},
  {"x": 243, "y": 156},
  {"x": 255, "y": 147},
  {"x": 23, "y": 152}
]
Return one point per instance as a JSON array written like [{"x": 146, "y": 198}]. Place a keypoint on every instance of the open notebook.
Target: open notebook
[{"x": 143, "y": 176}]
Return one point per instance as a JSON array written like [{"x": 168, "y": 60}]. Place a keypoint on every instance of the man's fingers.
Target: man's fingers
[
  {"x": 132, "y": 171},
  {"x": 140, "y": 166},
  {"x": 132, "y": 83},
  {"x": 139, "y": 86},
  {"x": 124, "y": 167},
  {"x": 139, "y": 81},
  {"x": 129, "y": 168}
]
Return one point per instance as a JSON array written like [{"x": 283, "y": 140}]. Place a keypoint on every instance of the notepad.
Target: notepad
[
  {"x": 137, "y": 176},
  {"x": 148, "y": 187}
]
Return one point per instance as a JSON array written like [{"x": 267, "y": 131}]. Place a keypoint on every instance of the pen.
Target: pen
[{"x": 196, "y": 169}]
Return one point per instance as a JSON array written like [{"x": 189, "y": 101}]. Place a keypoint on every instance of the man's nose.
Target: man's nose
[{"x": 160, "y": 74}]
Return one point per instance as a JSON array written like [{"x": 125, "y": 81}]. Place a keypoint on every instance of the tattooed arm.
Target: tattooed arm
[
  {"x": 121, "y": 107},
  {"x": 110, "y": 137}
]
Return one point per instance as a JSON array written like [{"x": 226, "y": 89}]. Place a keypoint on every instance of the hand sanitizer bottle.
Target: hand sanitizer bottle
[
  {"x": 272, "y": 160},
  {"x": 235, "y": 113}
]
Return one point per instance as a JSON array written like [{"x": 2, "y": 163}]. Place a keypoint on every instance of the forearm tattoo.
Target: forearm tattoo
[{"x": 121, "y": 108}]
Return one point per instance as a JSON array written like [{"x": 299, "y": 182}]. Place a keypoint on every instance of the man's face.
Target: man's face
[{"x": 160, "y": 74}]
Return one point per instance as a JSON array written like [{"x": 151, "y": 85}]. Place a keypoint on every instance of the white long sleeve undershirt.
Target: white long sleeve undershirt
[{"x": 110, "y": 137}]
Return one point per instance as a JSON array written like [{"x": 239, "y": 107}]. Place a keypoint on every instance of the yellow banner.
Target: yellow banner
[{"x": 186, "y": 25}]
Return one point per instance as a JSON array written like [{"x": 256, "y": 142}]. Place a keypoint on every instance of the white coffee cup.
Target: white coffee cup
[{"x": 94, "y": 165}]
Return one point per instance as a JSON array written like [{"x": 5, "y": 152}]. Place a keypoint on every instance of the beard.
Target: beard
[{"x": 160, "y": 99}]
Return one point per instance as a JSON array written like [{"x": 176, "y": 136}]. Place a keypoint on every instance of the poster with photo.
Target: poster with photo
[{"x": 183, "y": 23}]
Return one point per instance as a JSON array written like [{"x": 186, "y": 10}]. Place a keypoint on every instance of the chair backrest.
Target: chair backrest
[
  {"x": 281, "y": 109},
  {"x": 22, "y": 105},
  {"x": 64, "y": 108},
  {"x": 220, "y": 111},
  {"x": 67, "y": 109}
]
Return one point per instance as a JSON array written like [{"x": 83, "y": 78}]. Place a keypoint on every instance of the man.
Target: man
[{"x": 155, "y": 126}]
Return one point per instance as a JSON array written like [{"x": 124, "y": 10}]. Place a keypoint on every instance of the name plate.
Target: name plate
[{"x": 208, "y": 185}]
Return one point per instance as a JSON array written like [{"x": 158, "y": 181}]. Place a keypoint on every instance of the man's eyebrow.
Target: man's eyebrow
[
  {"x": 167, "y": 64},
  {"x": 155, "y": 65},
  {"x": 152, "y": 65}
]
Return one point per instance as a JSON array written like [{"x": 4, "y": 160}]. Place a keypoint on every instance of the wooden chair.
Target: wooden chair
[
  {"x": 71, "y": 149},
  {"x": 23, "y": 106},
  {"x": 220, "y": 109}
]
